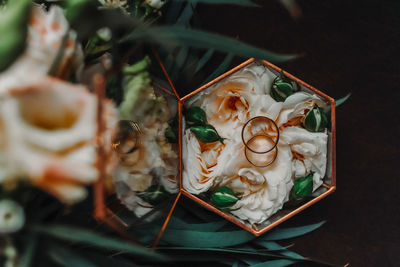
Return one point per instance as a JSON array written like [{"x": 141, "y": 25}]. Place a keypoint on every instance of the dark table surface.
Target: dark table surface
[{"x": 344, "y": 46}]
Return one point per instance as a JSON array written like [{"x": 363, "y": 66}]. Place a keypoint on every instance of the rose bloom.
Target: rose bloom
[
  {"x": 48, "y": 126},
  {"x": 227, "y": 103},
  {"x": 48, "y": 135}
]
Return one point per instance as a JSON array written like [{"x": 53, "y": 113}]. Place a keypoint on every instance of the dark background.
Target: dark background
[{"x": 344, "y": 46}]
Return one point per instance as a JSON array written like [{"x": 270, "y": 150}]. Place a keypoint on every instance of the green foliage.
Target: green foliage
[
  {"x": 302, "y": 187},
  {"x": 286, "y": 233},
  {"x": 89, "y": 237},
  {"x": 342, "y": 100},
  {"x": 67, "y": 257},
  {"x": 206, "y": 133},
  {"x": 174, "y": 35},
  {"x": 154, "y": 195},
  {"x": 13, "y": 31},
  {"x": 224, "y": 197},
  {"x": 195, "y": 116},
  {"x": 316, "y": 120}
]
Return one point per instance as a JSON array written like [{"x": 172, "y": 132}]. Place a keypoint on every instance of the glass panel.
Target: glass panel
[{"x": 216, "y": 163}]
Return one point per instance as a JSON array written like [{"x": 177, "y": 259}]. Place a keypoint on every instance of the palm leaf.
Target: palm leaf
[
  {"x": 28, "y": 255},
  {"x": 286, "y": 233},
  {"x": 342, "y": 100},
  {"x": 204, "y": 59},
  {"x": 221, "y": 68},
  {"x": 174, "y": 35},
  {"x": 190, "y": 238},
  {"x": 275, "y": 246},
  {"x": 91, "y": 238},
  {"x": 178, "y": 224},
  {"x": 67, "y": 257}
]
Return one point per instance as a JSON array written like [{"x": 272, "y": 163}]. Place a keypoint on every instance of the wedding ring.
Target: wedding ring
[
  {"x": 271, "y": 131},
  {"x": 275, "y": 148},
  {"x": 126, "y": 137}
]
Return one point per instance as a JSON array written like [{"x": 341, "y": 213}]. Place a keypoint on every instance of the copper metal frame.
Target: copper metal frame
[
  {"x": 105, "y": 215},
  {"x": 331, "y": 188}
]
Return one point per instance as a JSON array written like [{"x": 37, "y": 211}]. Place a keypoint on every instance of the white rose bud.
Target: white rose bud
[
  {"x": 12, "y": 216},
  {"x": 156, "y": 4}
]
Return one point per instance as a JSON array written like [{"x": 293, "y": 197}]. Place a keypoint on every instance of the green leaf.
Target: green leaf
[
  {"x": 302, "y": 187},
  {"x": 13, "y": 31},
  {"x": 270, "y": 245},
  {"x": 68, "y": 258},
  {"x": 27, "y": 257},
  {"x": 195, "y": 116},
  {"x": 85, "y": 236},
  {"x": 286, "y": 233},
  {"x": 138, "y": 66},
  {"x": 342, "y": 100},
  {"x": 204, "y": 59},
  {"x": 173, "y": 35},
  {"x": 189, "y": 238},
  {"x": 173, "y": 11},
  {"x": 154, "y": 195},
  {"x": 224, "y": 197},
  {"x": 178, "y": 224},
  {"x": 274, "y": 263},
  {"x": 231, "y": 2},
  {"x": 206, "y": 133},
  {"x": 222, "y": 67},
  {"x": 187, "y": 13}
]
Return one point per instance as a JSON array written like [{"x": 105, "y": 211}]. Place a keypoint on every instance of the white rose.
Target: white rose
[
  {"x": 295, "y": 107},
  {"x": 48, "y": 135},
  {"x": 309, "y": 152},
  {"x": 264, "y": 190}
]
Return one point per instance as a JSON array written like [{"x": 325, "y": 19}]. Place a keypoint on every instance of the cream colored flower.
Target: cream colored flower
[
  {"x": 229, "y": 103},
  {"x": 156, "y": 4},
  {"x": 12, "y": 216},
  {"x": 296, "y": 107},
  {"x": 48, "y": 135},
  {"x": 48, "y": 34},
  {"x": 154, "y": 160},
  {"x": 114, "y": 4},
  {"x": 309, "y": 152},
  {"x": 200, "y": 161}
]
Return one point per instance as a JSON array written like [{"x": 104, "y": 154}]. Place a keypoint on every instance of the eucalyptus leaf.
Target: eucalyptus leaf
[
  {"x": 189, "y": 238},
  {"x": 67, "y": 257},
  {"x": 286, "y": 233},
  {"x": 13, "y": 31},
  {"x": 174, "y": 35},
  {"x": 89, "y": 237},
  {"x": 342, "y": 100}
]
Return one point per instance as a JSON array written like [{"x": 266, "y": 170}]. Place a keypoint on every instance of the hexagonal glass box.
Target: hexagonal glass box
[
  {"x": 243, "y": 151},
  {"x": 258, "y": 186}
]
